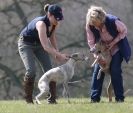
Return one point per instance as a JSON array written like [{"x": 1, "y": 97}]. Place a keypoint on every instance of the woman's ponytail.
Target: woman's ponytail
[{"x": 46, "y": 7}]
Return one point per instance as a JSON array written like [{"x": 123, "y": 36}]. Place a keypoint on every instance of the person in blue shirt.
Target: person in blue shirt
[{"x": 36, "y": 42}]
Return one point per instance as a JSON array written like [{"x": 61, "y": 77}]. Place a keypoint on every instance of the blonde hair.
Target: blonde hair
[{"x": 95, "y": 13}]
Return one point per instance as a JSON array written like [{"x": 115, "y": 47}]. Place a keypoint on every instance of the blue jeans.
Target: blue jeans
[
  {"x": 116, "y": 77},
  {"x": 31, "y": 52}
]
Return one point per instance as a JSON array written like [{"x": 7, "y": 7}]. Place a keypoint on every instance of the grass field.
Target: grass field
[{"x": 79, "y": 105}]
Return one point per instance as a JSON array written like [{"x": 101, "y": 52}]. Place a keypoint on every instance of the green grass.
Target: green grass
[{"x": 79, "y": 105}]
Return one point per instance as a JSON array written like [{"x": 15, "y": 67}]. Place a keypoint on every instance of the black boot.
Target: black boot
[
  {"x": 52, "y": 98},
  {"x": 28, "y": 88}
]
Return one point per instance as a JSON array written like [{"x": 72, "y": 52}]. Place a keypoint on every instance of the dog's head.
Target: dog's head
[
  {"x": 78, "y": 56},
  {"x": 98, "y": 48}
]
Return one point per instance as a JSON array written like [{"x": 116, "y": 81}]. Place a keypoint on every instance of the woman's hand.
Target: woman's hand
[
  {"x": 109, "y": 46},
  {"x": 62, "y": 57}
]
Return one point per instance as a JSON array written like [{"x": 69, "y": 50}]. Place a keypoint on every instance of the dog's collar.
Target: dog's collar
[{"x": 74, "y": 59}]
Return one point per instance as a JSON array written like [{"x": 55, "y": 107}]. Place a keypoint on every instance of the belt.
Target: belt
[{"x": 29, "y": 39}]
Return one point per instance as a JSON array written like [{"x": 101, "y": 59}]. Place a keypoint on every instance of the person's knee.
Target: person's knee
[{"x": 29, "y": 74}]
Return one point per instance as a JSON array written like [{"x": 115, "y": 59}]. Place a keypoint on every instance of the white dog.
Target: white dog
[{"x": 61, "y": 74}]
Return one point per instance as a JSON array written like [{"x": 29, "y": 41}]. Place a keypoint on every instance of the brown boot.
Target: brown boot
[
  {"x": 52, "y": 98},
  {"x": 28, "y": 88}
]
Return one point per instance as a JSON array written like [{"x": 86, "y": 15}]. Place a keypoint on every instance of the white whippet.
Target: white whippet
[{"x": 61, "y": 74}]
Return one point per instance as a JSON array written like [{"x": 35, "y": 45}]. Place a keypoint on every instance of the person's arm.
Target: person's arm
[
  {"x": 41, "y": 28},
  {"x": 53, "y": 40},
  {"x": 90, "y": 39},
  {"x": 122, "y": 32}
]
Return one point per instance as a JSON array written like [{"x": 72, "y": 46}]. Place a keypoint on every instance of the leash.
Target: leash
[{"x": 85, "y": 58}]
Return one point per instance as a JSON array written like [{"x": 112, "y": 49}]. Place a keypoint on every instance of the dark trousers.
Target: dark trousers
[{"x": 116, "y": 77}]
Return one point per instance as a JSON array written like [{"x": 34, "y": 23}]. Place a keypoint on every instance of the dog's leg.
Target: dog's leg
[
  {"x": 66, "y": 91},
  {"x": 44, "y": 89},
  {"x": 96, "y": 60},
  {"x": 38, "y": 96},
  {"x": 99, "y": 74},
  {"x": 109, "y": 91}
]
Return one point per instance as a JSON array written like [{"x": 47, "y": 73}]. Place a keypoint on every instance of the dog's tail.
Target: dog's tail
[
  {"x": 127, "y": 91},
  {"x": 48, "y": 96}
]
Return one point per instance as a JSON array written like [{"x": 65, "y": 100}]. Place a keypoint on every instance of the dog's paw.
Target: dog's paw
[
  {"x": 38, "y": 102},
  {"x": 92, "y": 65}
]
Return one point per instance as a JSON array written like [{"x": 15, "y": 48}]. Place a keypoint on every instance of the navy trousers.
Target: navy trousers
[{"x": 116, "y": 77}]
